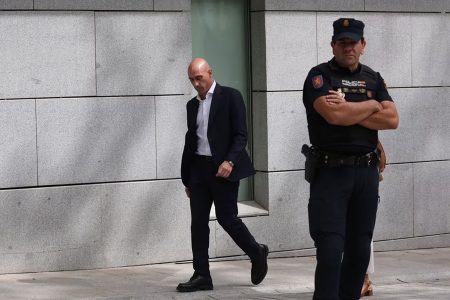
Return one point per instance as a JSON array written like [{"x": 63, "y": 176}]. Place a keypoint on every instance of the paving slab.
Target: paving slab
[{"x": 412, "y": 274}]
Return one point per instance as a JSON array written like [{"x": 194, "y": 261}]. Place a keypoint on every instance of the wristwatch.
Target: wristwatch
[{"x": 231, "y": 163}]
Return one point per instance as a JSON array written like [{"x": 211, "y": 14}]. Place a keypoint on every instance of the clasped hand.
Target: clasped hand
[{"x": 335, "y": 97}]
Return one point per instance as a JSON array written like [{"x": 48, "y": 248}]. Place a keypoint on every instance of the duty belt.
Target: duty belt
[{"x": 332, "y": 160}]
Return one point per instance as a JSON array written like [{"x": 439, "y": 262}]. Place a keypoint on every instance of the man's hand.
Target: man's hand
[
  {"x": 335, "y": 97},
  {"x": 382, "y": 162},
  {"x": 188, "y": 192},
  {"x": 224, "y": 170}
]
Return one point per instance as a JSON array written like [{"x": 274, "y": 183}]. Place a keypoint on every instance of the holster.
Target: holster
[{"x": 311, "y": 162}]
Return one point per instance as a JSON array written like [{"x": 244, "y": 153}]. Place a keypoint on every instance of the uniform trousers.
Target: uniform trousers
[
  {"x": 206, "y": 188},
  {"x": 342, "y": 212}
]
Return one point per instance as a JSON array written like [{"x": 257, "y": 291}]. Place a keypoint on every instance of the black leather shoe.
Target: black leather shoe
[
  {"x": 196, "y": 283},
  {"x": 259, "y": 265}
]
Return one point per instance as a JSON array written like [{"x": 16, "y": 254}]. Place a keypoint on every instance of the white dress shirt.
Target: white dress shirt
[{"x": 202, "y": 122}]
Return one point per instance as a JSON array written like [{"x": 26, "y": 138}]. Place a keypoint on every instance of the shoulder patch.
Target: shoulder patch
[{"x": 317, "y": 81}]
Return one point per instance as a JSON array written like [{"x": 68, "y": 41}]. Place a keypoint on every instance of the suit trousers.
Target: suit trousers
[
  {"x": 342, "y": 212},
  {"x": 206, "y": 188}
]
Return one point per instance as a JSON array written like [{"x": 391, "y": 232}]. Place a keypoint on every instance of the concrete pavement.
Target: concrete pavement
[{"x": 412, "y": 274}]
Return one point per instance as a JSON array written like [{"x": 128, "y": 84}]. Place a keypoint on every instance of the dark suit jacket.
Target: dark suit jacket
[{"x": 227, "y": 133}]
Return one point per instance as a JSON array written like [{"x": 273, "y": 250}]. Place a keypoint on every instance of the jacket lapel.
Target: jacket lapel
[
  {"x": 193, "y": 112},
  {"x": 215, "y": 103}
]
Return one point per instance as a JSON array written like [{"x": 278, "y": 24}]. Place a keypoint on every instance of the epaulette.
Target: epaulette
[
  {"x": 324, "y": 69},
  {"x": 368, "y": 72}
]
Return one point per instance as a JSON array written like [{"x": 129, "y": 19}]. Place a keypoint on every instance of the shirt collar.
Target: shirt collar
[
  {"x": 210, "y": 91},
  {"x": 335, "y": 66}
]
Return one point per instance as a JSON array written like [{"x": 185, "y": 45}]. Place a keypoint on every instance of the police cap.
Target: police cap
[{"x": 348, "y": 28}]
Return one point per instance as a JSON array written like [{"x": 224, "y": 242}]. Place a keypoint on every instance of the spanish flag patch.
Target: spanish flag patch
[{"x": 317, "y": 81}]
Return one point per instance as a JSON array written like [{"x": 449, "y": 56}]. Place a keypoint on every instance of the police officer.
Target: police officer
[{"x": 346, "y": 104}]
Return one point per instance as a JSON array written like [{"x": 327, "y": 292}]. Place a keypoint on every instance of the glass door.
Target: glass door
[{"x": 220, "y": 34}]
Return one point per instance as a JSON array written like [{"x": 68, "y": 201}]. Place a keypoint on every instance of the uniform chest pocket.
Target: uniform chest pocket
[
  {"x": 371, "y": 90},
  {"x": 355, "y": 89}
]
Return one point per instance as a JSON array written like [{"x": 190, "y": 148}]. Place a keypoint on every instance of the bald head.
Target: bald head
[
  {"x": 199, "y": 64},
  {"x": 200, "y": 75}
]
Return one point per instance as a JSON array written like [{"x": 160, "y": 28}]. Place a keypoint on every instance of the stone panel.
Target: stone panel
[
  {"x": 18, "y": 160},
  {"x": 96, "y": 140},
  {"x": 339, "y": 5},
  {"x": 93, "y": 226},
  {"x": 261, "y": 189},
  {"x": 280, "y": 130},
  {"x": 146, "y": 222},
  {"x": 143, "y": 53},
  {"x": 257, "y": 5},
  {"x": 431, "y": 198},
  {"x": 41, "y": 226},
  {"x": 286, "y": 227},
  {"x": 47, "y": 54},
  {"x": 260, "y": 131},
  {"x": 423, "y": 133},
  {"x": 16, "y": 4},
  {"x": 170, "y": 131},
  {"x": 289, "y": 194},
  {"x": 388, "y": 48},
  {"x": 407, "y": 5},
  {"x": 176, "y": 5},
  {"x": 287, "y": 131},
  {"x": 395, "y": 217},
  {"x": 290, "y": 52},
  {"x": 430, "y": 49},
  {"x": 94, "y": 4},
  {"x": 432, "y": 241},
  {"x": 258, "y": 36}
]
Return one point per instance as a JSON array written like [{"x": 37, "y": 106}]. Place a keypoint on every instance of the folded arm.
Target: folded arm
[
  {"x": 336, "y": 111},
  {"x": 387, "y": 118}
]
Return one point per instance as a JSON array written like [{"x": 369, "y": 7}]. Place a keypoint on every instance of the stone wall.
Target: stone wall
[
  {"x": 93, "y": 100},
  {"x": 93, "y": 108},
  {"x": 408, "y": 43}
]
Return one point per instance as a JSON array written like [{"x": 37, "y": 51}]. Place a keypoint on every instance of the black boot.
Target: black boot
[
  {"x": 259, "y": 265},
  {"x": 196, "y": 283}
]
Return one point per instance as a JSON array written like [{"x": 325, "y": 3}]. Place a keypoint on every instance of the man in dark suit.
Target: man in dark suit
[{"x": 214, "y": 160}]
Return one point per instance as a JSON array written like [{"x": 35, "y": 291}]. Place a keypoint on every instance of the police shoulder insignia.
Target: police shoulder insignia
[{"x": 317, "y": 81}]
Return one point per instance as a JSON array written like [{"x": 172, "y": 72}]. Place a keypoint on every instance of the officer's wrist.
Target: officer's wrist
[{"x": 378, "y": 106}]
